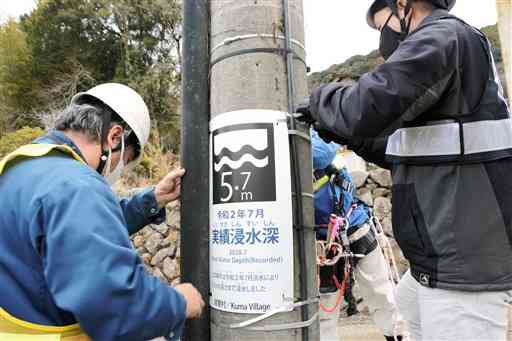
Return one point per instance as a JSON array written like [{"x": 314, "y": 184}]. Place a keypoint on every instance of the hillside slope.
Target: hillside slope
[{"x": 358, "y": 65}]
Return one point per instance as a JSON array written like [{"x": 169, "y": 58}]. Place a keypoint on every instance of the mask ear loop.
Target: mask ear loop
[
  {"x": 120, "y": 147},
  {"x": 387, "y": 21},
  {"x": 108, "y": 162}
]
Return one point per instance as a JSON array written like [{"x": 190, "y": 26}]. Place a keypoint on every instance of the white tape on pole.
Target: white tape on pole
[{"x": 251, "y": 227}]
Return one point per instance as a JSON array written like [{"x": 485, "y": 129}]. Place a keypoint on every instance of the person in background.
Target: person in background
[{"x": 337, "y": 196}]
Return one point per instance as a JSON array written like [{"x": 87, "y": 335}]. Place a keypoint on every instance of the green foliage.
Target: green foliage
[
  {"x": 67, "y": 46},
  {"x": 15, "y": 76},
  {"x": 494, "y": 37},
  {"x": 160, "y": 87},
  {"x": 12, "y": 141},
  {"x": 352, "y": 69},
  {"x": 64, "y": 33}
]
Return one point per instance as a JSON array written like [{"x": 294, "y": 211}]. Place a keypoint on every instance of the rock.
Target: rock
[
  {"x": 170, "y": 268},
  {"x": 381, "y": 177},
  {"x": 146, "y": 258},
  {"x": 355, "y": 165},
  {"x": 173, "y": 217},
  {"x": 146, "y": 232},
  {"x": 401, "y": 263},
  {"x": 177, "y": 252},
  {"x": 138, "y": 241},
  {"x": 141, "y": 250},
  {"x": 371, "y": 187},
  {"x": 171, "y": 239},
  {"x": 160, "y": 255},
  {"x": 351, "y": 161},
  {"x": 382, "y": 207},
  {"x": 387, "y": 226},
  {"x": 176, "y": 281},
  {"x": 359, "y": 178},
  {"x": 380, "y": 192},
  {"x": 134, "y": 191},
  {"x": 174, "y": 205},
  {"x": 162, "y": 228},
  {"x": 158, "y": 274},
  {"x": 365, "y": 195},
  {"x": 153, "y": 242}
]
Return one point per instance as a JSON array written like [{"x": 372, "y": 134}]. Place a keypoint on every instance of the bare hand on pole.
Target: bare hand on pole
[
  {"x": 195, "y": 303},
  {"x": 169, "y": 188}
]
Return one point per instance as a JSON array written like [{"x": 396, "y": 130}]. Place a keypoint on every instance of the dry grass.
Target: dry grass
[{"x": 155, "y": 164}]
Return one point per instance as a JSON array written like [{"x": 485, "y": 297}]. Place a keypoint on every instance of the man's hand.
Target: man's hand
[
  {"x": 169, "y": 188},
  {"x": 195, "y": 303},
  {"x": 304, "y": 111},
  {"x": 329, "y": 136}
]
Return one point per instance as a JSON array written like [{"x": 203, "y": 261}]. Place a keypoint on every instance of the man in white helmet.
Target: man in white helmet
[
  {"x": 435, "y": 115},
  {"x": 67, "y": 267}
]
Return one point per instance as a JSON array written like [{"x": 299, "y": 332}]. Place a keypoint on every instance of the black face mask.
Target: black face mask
[{"x": 390, "y": 39}]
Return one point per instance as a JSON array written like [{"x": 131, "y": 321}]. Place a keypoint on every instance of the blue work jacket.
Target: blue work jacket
[
  {"x": 66, "y": 256},
  {"x": 327, "y": 197}
]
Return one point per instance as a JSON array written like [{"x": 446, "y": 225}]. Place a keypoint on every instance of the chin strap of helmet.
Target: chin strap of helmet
[
  {"x": 105, "y": 127},
  {"x": 404, "y": 25}
]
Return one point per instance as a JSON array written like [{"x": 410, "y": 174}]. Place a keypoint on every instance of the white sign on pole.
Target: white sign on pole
[{"x": 251, "y": 227}]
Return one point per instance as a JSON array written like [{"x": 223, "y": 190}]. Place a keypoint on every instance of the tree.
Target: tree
[
  {"x": 150, "y": 32},
  {"x": 15, "y": 75},
  {"x": 76, "y": 44}
]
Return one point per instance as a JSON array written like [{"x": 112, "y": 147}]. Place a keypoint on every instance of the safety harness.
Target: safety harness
[
  {"x": 336, "y": 247},
  {"x": 12, "y": 328}
]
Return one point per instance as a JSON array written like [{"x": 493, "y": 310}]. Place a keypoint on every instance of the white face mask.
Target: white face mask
[{"x": 113, "y": 176}]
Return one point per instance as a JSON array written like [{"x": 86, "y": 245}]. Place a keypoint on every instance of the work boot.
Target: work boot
[{"x": 392, "y": 338}]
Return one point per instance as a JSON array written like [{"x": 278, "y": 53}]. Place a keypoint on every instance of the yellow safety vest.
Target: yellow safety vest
[{"x": 12, "y": 328}]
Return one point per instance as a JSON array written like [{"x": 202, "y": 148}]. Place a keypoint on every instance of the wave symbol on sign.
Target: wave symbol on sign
[{"x": 230, "y": 153}]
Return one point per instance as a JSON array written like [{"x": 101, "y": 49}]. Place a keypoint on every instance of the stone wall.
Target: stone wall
[
  {"x": 158, "y": 246},
  {"x": 374, "y": 188}
]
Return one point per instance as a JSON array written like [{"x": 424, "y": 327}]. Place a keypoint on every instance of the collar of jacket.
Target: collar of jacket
[
  {"x": 434, "y": 16},
  {"x": 58, "y": 137}
]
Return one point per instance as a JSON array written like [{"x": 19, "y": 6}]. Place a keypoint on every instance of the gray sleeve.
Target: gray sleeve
[{"x": 409, "y": 83}]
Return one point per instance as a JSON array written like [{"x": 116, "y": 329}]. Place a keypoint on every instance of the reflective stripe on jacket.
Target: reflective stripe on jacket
[{"x": 13, "y": 329}]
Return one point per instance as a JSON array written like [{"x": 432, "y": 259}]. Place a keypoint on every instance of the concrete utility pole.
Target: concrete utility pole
[
  {"x": 249, "y": 70},
  {"x": 504, "y": 9}
]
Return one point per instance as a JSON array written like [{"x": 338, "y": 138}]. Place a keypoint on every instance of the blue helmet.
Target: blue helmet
[{"x": 323, "y": 152}]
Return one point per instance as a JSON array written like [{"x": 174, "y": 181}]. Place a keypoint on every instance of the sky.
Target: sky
[{"x": 335, "y": 29}]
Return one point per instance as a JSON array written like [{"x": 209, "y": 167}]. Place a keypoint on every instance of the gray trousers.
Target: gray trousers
[{"x": 450, "y": 315}]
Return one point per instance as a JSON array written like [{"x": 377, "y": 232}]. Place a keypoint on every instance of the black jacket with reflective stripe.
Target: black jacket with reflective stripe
[{"x": 452, "y": 213}]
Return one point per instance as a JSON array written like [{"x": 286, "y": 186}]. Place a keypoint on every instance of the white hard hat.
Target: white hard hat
[{"x": 127, "y": 104}]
